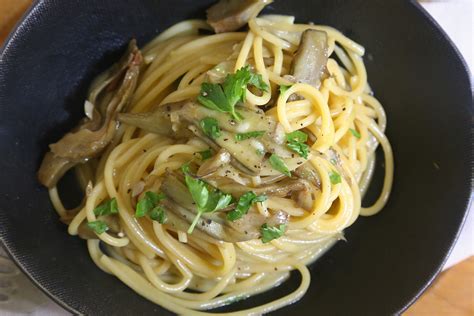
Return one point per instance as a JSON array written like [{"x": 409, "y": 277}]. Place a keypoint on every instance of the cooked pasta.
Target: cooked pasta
[{"x": 309, "y": 184}]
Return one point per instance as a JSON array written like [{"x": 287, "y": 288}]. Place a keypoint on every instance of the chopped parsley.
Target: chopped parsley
[
  {"x": 278, "y": 164},
  {"x": 158, "y": 214},
  {"x": 297, "y": 136},
  {"x": 355, "y": 133},
  {"x": 224, "y": 97},
  {"x": 106, "y": 208},
  {"x": 254, "y": 134},
  {"x": 269, "y": 233},
  {"x": 296, "y": 141},
  {"x": 210, "y": 127},
  {"x": 205, "y": 154},
  {"x": 243, "y": 205},
  {"x": 207, "y": 199},
  {"x": 98, "y": 227},
  {"x": 148, "y": 203},
  {"x": 335, "y": 177},
  {"x": 284, "y": 88}
]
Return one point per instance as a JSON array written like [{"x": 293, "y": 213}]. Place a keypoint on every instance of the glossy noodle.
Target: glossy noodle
[{"x": 222, "y": 261}]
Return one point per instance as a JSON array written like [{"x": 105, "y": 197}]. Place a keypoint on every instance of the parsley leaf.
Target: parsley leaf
[
  {"x": 354, "y": 132},
  {"x": 269, "y": 233},
  {"x": 205, "y": 154},
  {"x": 244, "y": 204},
  {"x": 300, "y": 148},
  {"x": 254, "y": 134},
  {"x": 297, "y": 136},
  {"x": 154, "y": 197},
  {"x": 297, "y": 143},
  {"x": 224, "y": 97},
  {"x": 212, "y": 96},
  {"x": 279, "y": 165},
  {"x": 207, "y": 199},
  {"x": 106, "y": 208},
  {"x": 335, "y": 177},
  {"x": 210, "y": 127},
  {"x": 256, "y": 80},
  {"x": 143, "y": 207},
  {"x": 148, "y": 202},
  {"x": 284, "y": 88},
  {"x": 158, "y": 214},
  {"x": 98, "y": 227}
]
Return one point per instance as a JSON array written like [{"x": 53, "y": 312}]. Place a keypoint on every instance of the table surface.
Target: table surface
[{"x": 452, "y": 293}]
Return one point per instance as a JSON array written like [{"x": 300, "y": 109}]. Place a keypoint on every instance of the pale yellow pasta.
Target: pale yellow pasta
[{"x": 344, "y": 122}]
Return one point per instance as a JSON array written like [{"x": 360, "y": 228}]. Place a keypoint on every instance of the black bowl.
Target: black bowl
[{"x": 388, "y": 260}]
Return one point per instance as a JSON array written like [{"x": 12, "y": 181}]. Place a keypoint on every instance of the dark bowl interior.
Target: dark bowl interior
[{"x": 388, "y": 259}]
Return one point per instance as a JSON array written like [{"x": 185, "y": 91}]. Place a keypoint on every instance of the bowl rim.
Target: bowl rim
[{"x": 422, "y": 14}]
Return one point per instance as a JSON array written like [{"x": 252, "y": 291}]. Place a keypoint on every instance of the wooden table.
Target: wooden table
[{"x": 452, "y": 293}]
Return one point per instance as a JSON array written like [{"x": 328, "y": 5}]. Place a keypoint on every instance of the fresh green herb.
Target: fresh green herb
[
  {"x": 243, "y": 136},
  {"x": 148, "y": 202},
  {"x": 207, "y": 199},
  {"x": 235, "y": 85},
  {"x": 297, "y": 143},
  {"x": 279, "y": 165},
  {"x": 256, "y": 80},
  {"x": 212, "y": 96},
  {"x": 143, "y": 207},
  {"x": 210, "y": 127},
  {"x": 106, "y": 208},
  {"x": 335, "y": 177},
  {"x": 333, "y": 161},
  {"x": 300, "y": 148},
  {"x": 284, "y": 88},
  {"x": 244, "y": 204},
  {"x": 154, "y": 197},
  {"x": 98, "y": 227},
  {"x": 354, "y": 132},
  {"x": 297, "y": 136},
  {"x": 205, "y": 154},
  {"x": 269, "y": 233},
  {"x": 224, "y": 97},
  {"x": 158, "y": 214}
]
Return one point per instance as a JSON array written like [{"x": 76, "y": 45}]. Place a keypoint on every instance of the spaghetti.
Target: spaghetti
[{"x": 189, "y": 273}]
